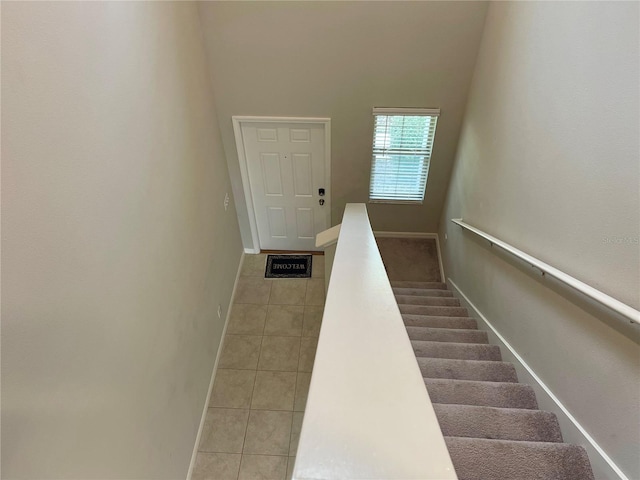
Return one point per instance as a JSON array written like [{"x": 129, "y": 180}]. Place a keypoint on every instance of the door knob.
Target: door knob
[{"x": 321, "y": 201}]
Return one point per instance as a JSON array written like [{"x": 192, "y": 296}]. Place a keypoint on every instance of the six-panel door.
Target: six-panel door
[{"x": 286, "y": 166}]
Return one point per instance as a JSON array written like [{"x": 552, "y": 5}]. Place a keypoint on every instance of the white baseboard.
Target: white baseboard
[
  {"x": 573, "y": 432},
  {"x": 416, "y": 235},
  {"x": 213, "y": 373},
  {"x": 251, "y": 251}
]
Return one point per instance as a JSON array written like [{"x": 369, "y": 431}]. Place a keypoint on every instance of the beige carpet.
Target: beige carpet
[
  {"x": 413, "y": 259},
  {"x": 491, "y": 423}
]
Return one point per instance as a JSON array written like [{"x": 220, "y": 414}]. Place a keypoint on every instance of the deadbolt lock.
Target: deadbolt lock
[{"x": 321, "y": 192}]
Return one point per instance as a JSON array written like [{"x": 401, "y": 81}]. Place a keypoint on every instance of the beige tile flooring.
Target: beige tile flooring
[{"x": 260, "y": 391}]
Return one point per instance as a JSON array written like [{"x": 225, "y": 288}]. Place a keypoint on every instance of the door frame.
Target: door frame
[{"x": 238, "y": 121}]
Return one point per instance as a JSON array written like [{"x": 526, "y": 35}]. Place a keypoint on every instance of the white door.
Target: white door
[{"x": 288, "y": 177}]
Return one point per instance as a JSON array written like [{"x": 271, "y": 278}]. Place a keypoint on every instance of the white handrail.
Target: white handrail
[
  {"x": 368, "y": 413},
  {"x": 617, "y": 306}
]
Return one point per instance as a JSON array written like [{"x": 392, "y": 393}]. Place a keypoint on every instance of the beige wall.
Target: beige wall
[
  {"x": 338, "y": 60},
  {"x": 548, "y": 161},
  {"x": 116, "y": 249}
]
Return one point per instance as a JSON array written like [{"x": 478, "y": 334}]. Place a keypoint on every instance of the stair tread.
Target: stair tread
[
  {"x": 424, "y": 285},
  {"x": 452, "y": 350},
  {"x": 497, "y": 423},
  {"x": 428, "y": 292},
  {"x": 480, "y": 459},
  {"x": 444, "y": 311},
  {"x": 427, "y": 300},
  {"x": 456, "y": 369},
  {"x": 457, "y": 335},
  {"x": 464, "y": 322},
  {"x": 481, "y": 393}
]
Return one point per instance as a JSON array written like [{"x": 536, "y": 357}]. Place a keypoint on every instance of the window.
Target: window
[{"x": 402, "y": 144}]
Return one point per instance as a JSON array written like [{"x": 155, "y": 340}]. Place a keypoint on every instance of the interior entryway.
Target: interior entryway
[{"x": 285, "y": 166}]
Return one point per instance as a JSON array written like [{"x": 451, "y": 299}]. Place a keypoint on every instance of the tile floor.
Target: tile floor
[{"x": 259, "y": 394}]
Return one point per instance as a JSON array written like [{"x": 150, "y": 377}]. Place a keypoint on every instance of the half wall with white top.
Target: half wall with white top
[{"x": 368, "y": 413}]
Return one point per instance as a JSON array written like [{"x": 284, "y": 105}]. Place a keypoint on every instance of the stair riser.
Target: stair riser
[
  {"x": 498, "y": 423},
  {"x": 461, "y": 351},
  {"x": 465, "y": 323},
  {"x": 422, "y": 292},
  {"x": 467, "y": 370},
  {"x": 435, "y": 311},
  {"x": 431, "y": 301},
  {"x": 419, "y": 285},
  {"x": 447, "y": 335},
  {"x": 485, "y": 394}
]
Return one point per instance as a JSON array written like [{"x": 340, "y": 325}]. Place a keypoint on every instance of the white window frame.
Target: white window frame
[{"x": 423, "y": 152}]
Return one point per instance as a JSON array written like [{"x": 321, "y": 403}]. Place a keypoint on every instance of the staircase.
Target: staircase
[{"x": 491, "y": 423}]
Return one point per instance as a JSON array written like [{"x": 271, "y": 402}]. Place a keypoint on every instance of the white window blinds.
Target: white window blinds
[{"x": 402, "y": 144}]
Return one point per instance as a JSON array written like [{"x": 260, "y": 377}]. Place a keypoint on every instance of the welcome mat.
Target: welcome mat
[{"x": 288, "y": 266}]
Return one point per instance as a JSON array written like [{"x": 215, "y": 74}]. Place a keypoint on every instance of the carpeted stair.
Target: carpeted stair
[{"x": 491, "y": 423}]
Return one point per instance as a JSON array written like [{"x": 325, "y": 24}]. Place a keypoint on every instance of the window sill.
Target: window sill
[{"x": 398, "y": 202}]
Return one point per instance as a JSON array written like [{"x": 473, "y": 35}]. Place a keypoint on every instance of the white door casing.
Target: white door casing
[{"x": 284, "y": 162}]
